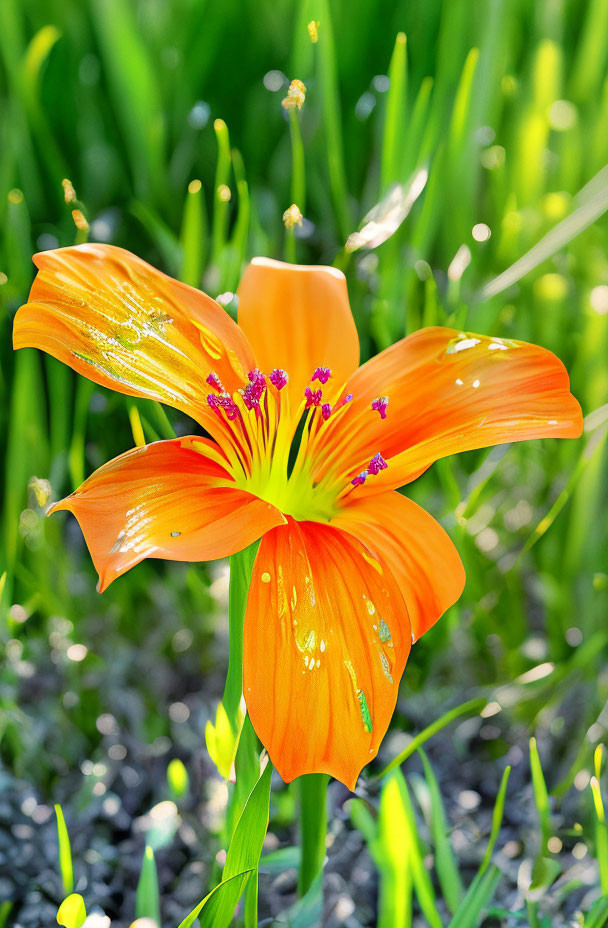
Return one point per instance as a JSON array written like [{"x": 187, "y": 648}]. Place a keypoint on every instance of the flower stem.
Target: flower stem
[
  {"x": 313, "y": 827},
  {"x": 298, "y": 182},
  {"x": 241, "y": 565},
  {"x": 290, "y": 247},
  {"x": 298, "y": 171}
]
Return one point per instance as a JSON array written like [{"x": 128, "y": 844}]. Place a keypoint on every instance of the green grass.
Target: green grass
[{"x": 505, "y": 105}]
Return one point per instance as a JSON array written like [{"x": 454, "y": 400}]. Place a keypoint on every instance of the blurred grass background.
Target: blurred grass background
[{"x": 166, "y": 118}]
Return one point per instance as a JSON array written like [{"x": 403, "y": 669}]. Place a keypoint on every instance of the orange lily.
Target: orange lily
[{"x": 306, "y": 452}]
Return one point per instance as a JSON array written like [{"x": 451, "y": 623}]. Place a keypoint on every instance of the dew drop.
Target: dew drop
[
  {"x": 461, "y": 344},
  {"x": 265, "y": 577},
  {"x": 175, "y": 534}
]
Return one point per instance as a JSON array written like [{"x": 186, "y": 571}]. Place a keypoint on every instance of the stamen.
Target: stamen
[
  {"x": 313, "y": 397},
  {"x": 278, "y": 377},
  {"x": 254, "y": 390},
  {"x": 214, "y": 381},
  {"x": 377, "y": 464},
  {"x": 213, "y": 402},
  {"x": 256, "y": 376},
  {"x": 379, "y": 405},
  {"x": 359, "y": 480},
  {"x": 223, "y": 401},
  {"x": 326, "y": 411},
  {"x": 322, "y": 374}
]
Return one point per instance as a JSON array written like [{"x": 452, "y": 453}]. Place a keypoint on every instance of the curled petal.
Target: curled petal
[
  {"x": 450, "y": 391},
  {"x": 416, "y": 549},
  {"x": 298, "y": 318},
  {"x": 127, "y": 326},
  {"x": 172, "y": 500},
  {"x": 325, "y": 643}
]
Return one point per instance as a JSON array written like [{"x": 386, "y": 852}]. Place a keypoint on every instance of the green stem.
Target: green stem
[
  {"x": 532, "y": 910},
  {"x": 247, "y": 759},
  {"x": 298, "y": 182},
  {"x": 290, "y": 246},
  {"x": 241, "y": 565},
  {"x": 298, "y": 173},
  {"x": 313, "y": 827}
]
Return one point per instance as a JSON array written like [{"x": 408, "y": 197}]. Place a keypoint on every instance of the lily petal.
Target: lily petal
[
  {"x": 416, "y": 549},
  {"x": 298, "y": 318},
  {"x": 326, "y": 640},
  {"x": 171, "y": 500},
  {"x": 127, "y": 326},
  {"x": 450, "y": 391}
]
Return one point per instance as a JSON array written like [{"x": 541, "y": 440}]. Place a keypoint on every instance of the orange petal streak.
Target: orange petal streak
[
  {"x": 325, "y": 643},
  {"x": 165, "y": 500},
  {"x": 127, "y": 326},
  {"x": 449, "y": 391},
  {"x": 416, "y": 549},
  {"x": 298, "y": 318}
]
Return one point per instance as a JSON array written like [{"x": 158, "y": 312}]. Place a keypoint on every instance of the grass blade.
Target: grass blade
[
  {"x": 332, "y": 119},
  {"x": 65, "y": 852},
  {"x": 563, "y": 233},
  {"x": 5, "y": 912},
  {"x": 601, "y": 834},
  {"x": 393, "y": 141},
  {"x": 136, "y": 426},
  {"x": 76, "y": 453},
  {"x": 497, "y": 814},
  {"x": 391, "y": 852},
  {"x": 445, "y": 861},
  {"x": 221, "y": 192},
  {"x": 423, "y": 886},
  {"x": 544, "y": 869},
  {"x": 242, "y": 860},
  {"x": 193, "y": 237},
  {"x": 471, "y": 707},
  {"x": 541, "y": 796},
  {"x": 134, "y": 87},
  {"x": 313, "y": 827},
  {"x": 483, "y": 887},
  {"x": 597, "y": 917},
  {"x": 147, "y": 897},
  {"x": 478, "y": 897}
]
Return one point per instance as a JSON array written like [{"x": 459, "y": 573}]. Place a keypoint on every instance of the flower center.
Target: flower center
[{"x": 273, "y": 448}]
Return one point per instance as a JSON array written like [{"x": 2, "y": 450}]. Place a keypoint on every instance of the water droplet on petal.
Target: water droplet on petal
[{"x": 461, "y": 343}]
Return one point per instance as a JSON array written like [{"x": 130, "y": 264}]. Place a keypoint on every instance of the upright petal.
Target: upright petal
[
  {"x": 298, "y": 318},
  {"x": 415, "y": 548},
  {"x": 127, "y": 326},
  {"x": 449, "y": 391},
  {"x": 172, "y": 500},
  {"x": 325, "y": 643}
]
